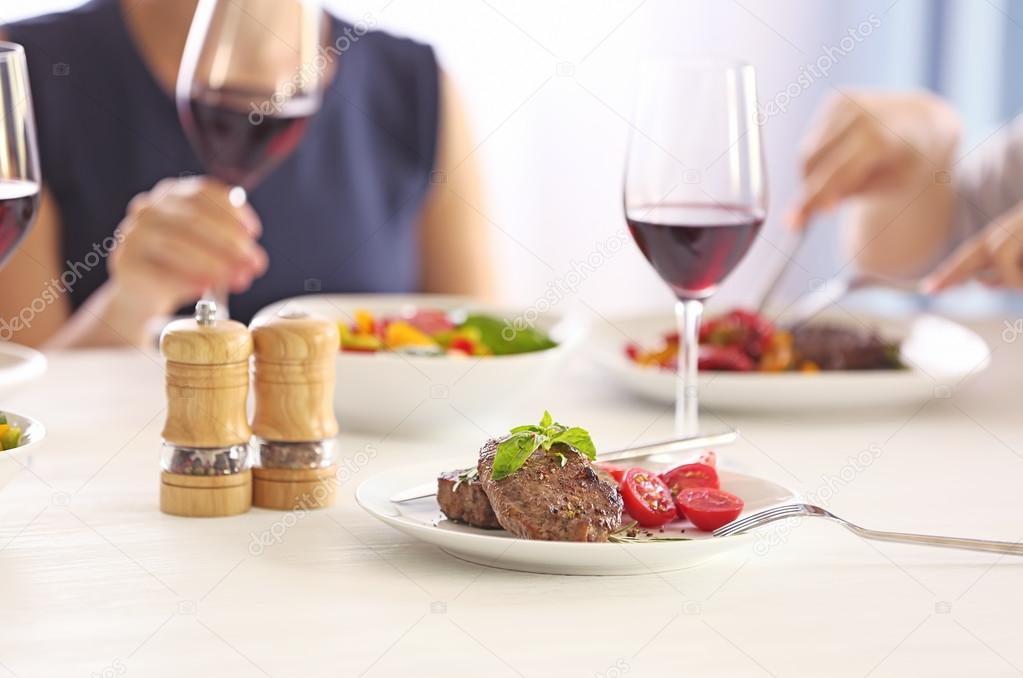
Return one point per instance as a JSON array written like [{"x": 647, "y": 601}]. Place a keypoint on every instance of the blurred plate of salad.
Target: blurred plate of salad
[{"x": 434, "y": 331}]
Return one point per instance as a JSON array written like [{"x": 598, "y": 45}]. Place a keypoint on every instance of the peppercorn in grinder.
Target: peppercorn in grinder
[
  {"x": 294, "y": 421},
  {"x": 205, "y": 457}
]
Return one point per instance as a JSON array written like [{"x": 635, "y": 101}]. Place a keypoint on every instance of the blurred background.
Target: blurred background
[{"x": 549, "y": 86}]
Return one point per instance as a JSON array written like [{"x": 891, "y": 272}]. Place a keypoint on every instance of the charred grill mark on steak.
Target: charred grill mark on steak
[
  {"x": 548, "y": 501},
  {"x": 462, "y": 498}
]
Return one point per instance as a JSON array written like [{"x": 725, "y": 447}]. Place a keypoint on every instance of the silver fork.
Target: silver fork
[
  {"x": 793, "y": 510},
  {"x": 836, "y": 289}
]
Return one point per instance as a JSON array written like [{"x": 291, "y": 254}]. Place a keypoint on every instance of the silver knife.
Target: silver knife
[{"x": 674, "y": 445}]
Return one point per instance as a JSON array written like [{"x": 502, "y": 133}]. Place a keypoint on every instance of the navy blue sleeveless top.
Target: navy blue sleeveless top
[{"x": 340, "y": 214}]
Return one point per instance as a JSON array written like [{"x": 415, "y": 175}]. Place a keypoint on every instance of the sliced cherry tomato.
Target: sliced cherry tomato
[
  {"x": 463, "y": 344},
  {"x": 708, "y": 508},
  {"x": 647, "y": 499},
  {"x": 709, "y": 457},
  {"x": 746, "y": 330},
  {"x": 690, "y": 475},
  {"x": 430, "y": 321},
  {"x": 726, "y": 358},
  {"x": 616, "y": 472},
  {"x": 632, "y": 351}
]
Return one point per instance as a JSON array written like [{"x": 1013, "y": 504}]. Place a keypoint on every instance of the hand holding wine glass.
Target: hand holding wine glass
[
  {"x": 249, "y": 82},
  {"x": 181, "y": 238},
  {"x": 19, "y": 160},
  {"x": 695, "y": 194}
]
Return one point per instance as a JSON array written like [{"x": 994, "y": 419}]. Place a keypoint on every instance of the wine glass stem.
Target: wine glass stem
[
  {"x": 237, "y": 196},
  {"x": 687, "y": 416}
]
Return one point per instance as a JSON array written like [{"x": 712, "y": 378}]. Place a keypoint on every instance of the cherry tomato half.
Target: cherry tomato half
[
  {"x": 708, "y": 508},
  {"x": 746, "y": 330},
  {"x": 724, "y": 358},
  {"x": 647, "y": 499},
  {"x": 616, "y": 472},
  {"x": 690, "y": 475}
]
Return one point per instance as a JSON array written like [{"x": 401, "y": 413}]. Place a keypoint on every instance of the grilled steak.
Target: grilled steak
[
  {"x": 833, "y": 347},
  {"x": 465, "y": 501},
  {"x": 545, "y": 500}
]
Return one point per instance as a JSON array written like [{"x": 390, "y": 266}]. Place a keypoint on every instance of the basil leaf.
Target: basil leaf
[
  {"x": 579, "y": 439},
  {"x": 547, "y": 420},
  {"x": 512, "y": 453},
  {"x": 495, "y": 335},
  {"x": 527, "y": 427}
]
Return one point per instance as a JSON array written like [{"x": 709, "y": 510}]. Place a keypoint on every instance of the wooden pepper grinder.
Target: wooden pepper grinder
[
  {"x": 294, "y": 421},
  {"x": 206, "y": 436}
]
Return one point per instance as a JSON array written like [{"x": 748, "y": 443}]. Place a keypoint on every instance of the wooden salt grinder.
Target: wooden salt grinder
[
  {"x": 294, "y": 416},
  {"x": 207, "y": 389}
]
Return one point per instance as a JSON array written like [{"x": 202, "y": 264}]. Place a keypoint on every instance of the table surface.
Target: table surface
[{"x": 96, "y": 581}]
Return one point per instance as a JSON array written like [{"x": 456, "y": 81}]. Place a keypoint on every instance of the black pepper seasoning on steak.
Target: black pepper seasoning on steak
[
  {"x": 461, "y": 497},
  {"x": 545, "y": 500}
]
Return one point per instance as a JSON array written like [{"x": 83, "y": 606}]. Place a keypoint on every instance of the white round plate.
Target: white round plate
[
  {"x": 19, "y": 364},
  {"x": 423, "y": 520},
  {"x": 32, "y": 435},
  {"x": 939, "y": 354}
]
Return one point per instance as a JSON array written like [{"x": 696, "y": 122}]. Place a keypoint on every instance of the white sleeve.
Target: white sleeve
[{"x": 989, "y": 182}]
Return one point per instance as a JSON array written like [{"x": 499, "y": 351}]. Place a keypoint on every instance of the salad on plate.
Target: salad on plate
[{"x": 428, "y": 331}]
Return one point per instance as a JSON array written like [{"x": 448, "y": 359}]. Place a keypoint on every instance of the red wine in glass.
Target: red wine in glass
[
  {"x": 246, "y": 91},
  {"x": 693, "y": 247},
  {"x": 19, "y": 171},
  {"x": 238, "y": 143},
  {"x": 19, "y": 201},
  {"x": 695, "y": 190}
]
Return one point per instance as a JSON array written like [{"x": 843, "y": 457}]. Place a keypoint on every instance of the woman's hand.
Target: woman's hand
[
  {"x": 181, "y": 238},
  {"x": 994, "y": 256},
  {"x": 872, "y": 142}
]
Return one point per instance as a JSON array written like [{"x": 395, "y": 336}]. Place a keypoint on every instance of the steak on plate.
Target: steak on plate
[
  {"x": 834, "y": 347},
  {"x": 465, "y": 500},
  {"x": 548, "y": 501}
]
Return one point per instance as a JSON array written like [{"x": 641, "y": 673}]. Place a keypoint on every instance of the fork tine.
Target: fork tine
[
  {"x": 757, "y": 519},
  {"x": 760, "y": 515}
]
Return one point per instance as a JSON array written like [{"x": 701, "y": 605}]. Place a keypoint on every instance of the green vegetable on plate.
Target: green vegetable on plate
[
  {"x": 523, "y": 441},
  {"x": 10, "y": 436}
]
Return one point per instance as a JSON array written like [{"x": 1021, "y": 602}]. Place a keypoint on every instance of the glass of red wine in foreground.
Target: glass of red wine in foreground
[
  {"x": 251, "y": 77},
  {"x": 694, "y": 191},
  {"x": 19, "y": 158}
]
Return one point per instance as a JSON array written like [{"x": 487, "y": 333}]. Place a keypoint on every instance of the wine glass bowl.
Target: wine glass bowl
[
  {"x": 251, "y": 77},
  {"x": 695, "y": 189},
  {"x": 19, "y": 157}
]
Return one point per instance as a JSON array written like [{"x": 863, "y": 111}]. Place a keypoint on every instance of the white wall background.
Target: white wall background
[{"x": 549, "y": 88}]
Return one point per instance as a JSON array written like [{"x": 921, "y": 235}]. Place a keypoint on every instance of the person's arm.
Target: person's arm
[
  {"x": 455, "y": 245},
  {"x": 890, "y": 156},
  {"x": 180, "y": 238},
  {"x": 988, "y": 216},
  {"x": 33, "y": 301}
]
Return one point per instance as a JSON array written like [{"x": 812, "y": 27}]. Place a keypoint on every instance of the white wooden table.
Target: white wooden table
[{"x": 95, "y": 581}]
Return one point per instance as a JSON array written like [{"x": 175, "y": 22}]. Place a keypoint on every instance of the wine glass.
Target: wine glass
[
  {"x": 695, "y": 194},
  {"x": 19, "y": 157},
  {"x": 251, "y": 77}
]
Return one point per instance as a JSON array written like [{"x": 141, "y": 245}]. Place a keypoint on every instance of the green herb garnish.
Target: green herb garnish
[
  {"x": 523, "y": 441},
  {"x": 466, "y": 476}
]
